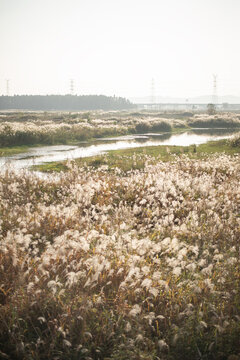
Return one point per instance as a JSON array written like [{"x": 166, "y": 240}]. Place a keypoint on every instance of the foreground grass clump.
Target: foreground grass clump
[
  {"x": 234, "y": 142},
  {"x": 141, "y": 264}
]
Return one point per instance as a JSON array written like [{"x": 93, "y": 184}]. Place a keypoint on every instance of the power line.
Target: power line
[
  {"x": 153, "y": 96},
  {"x": 72, "y": 86}
]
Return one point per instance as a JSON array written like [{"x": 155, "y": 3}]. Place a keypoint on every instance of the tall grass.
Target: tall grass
[{"x": 142, "y": 264}]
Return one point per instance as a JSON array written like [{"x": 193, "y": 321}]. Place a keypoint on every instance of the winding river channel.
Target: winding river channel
[{"x": 40, "y": 155}]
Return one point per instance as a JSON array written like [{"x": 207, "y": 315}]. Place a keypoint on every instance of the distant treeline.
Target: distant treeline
[{"x": 64, "y": 102}]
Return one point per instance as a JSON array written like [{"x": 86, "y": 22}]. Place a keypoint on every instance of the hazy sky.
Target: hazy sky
[{"x": 117, "y": 46}]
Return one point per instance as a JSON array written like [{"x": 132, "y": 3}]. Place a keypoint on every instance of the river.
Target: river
[{"x": 40, "y": 155}]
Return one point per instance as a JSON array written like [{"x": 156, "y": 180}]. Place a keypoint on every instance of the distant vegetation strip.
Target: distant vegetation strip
[{"x": 64, "y": 102}]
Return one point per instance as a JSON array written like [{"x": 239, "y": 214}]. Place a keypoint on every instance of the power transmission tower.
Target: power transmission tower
[
  {"x": 214, "y": 96},
  {"x": 153, "y": 97},
  {"x": 71, "y": 86},
  {"x": 7, "y": 87}
]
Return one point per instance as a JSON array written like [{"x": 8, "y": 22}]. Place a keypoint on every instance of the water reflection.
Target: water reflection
[{"x": 39, "y": 155}]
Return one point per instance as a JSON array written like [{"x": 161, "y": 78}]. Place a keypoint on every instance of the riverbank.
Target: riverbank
[{"x": 13, "y": 150}]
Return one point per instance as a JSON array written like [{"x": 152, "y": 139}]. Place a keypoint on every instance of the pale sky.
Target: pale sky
[{"x": 117, "y": 46}]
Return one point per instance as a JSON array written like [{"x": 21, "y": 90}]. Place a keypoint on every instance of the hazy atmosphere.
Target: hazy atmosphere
[{"x": 117, "y": 47}]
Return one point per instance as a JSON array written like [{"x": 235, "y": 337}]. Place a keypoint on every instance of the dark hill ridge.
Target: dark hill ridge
[{"x": 64, "y": 102}]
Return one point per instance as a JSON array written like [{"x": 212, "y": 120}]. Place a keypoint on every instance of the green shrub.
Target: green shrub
[
  {"x": 161, "y": 126},
  {"x": 142, "y": 128}
]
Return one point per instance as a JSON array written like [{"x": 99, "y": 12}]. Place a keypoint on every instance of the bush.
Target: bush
[
  {"x": 156, "y": 126},
  {"x": 161, "y": 126},
  {"x": 142, "y": 128}
]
